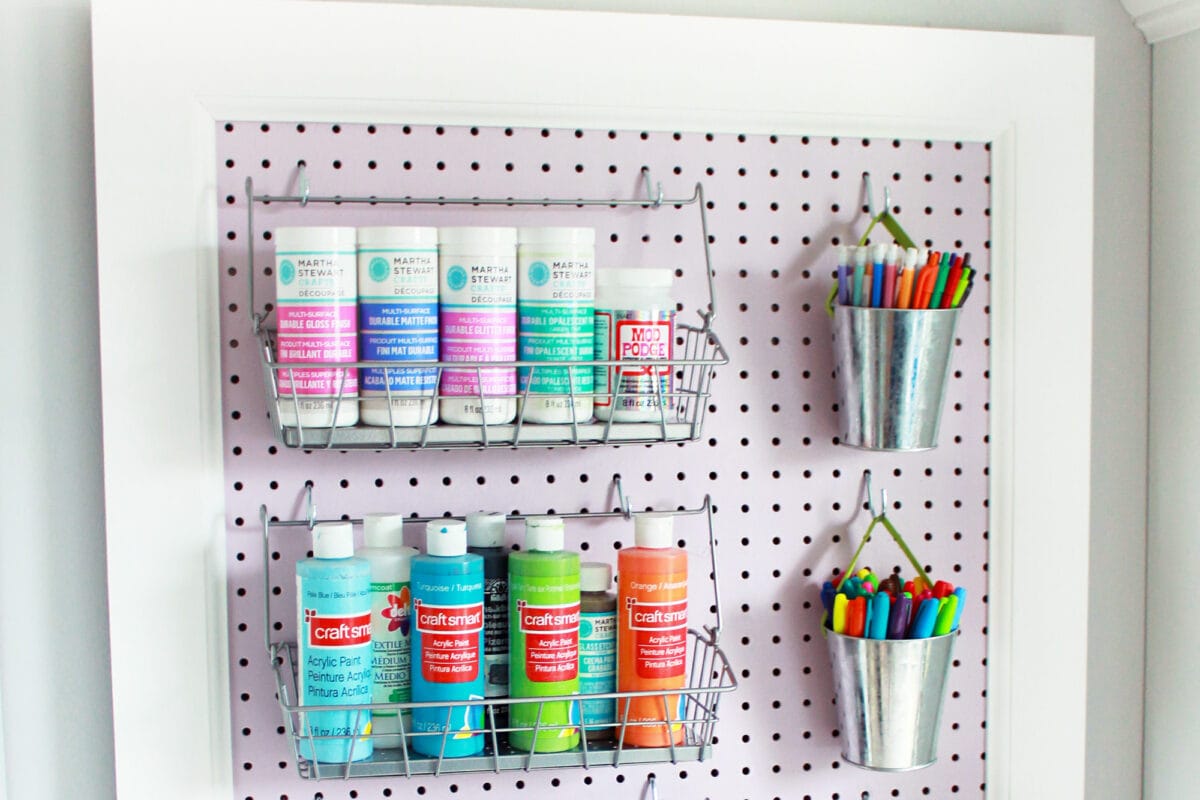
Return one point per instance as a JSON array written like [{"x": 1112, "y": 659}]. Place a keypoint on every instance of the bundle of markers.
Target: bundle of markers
[
  {"x": 885, "y": 276},
  {"x": 868, "y": 608}
]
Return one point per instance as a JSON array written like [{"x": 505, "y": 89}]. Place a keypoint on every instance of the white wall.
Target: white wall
[
  {"x": 1172, "y": 691},
  {"x": 54, "y": 682},
  {"x": 54, "y": 676}
]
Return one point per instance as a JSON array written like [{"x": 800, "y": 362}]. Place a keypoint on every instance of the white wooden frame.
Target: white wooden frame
[{"x": 164, "y": 73}]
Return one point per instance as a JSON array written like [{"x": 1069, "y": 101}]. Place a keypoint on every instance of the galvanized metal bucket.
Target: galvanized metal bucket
[
  {"x": 889, "y": 698},
  {"x": 891, "y": 367}
]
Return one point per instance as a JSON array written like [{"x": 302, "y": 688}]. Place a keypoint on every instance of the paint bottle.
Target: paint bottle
[
  {"x": 635, "y": 321},
  {"x": 555, "y": 319},
  {"x": 391, "y": 623},
  {"x": 447, "y": 651},
  {"x": 597, "y": 648},
  {"x": 398, "y": 321},
  {"x": 333, "y": 609},
  {"x": 316, "y": 294},
  {"x": 477, "y": 295},
  {"x": 543, "y": 612},
  {"x": 485, "y": 538},
  {"x": 651, "y": 631}
]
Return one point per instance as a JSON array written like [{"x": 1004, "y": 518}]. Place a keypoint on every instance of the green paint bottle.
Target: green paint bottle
[{"x": 543, "y": 598}]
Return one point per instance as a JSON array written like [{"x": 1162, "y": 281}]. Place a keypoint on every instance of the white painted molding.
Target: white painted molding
[{"x": 1159, "y": 20}]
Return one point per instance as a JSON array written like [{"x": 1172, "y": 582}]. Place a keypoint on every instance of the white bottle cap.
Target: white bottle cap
[
  {"x": 654, "y": 529},
  {"x": 477, "y": 240},
  {"x": 595, "y": 576},
  {"x": 314, "y": 238},
  {"x": 486, "y": 529},
  {"x": 397, "y": 236},
  {"x": 635, "y": 278},
  {"x": 446, "y": 537},
  {"x": 545, "y": 534},
  {"x": 333, "y": 540},
  {"x": 560, "y": 236},
  {"x": 383, "y": 530}
]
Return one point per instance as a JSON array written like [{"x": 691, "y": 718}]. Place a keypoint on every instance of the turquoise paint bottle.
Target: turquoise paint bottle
[
  {"x": 333, "y": 604},
  {"x": 447, "y": 644}
]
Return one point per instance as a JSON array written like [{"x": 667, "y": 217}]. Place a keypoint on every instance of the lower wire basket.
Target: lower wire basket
[{"x": 710, "y": 677}]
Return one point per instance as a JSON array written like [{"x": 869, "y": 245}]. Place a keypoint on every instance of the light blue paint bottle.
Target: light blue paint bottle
[
  {"x": 447, "y": 642},
  {"x": 333, "y": 605}
]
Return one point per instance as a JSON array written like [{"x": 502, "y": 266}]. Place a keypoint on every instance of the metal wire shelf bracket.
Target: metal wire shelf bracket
[
  {"x": 681, "y": 411},
  {"x": 709, "y": 677}
]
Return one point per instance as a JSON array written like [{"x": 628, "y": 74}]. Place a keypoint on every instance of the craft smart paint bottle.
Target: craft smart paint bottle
[
  {"x": 316, "y": 295},
  {"x": 555, "y": 293},
  {"x": 485, "y": 538},
  {"x": 391, "y": 624},
  {"x": 635, "y": 321},
  {"x": 333, "y": 605},
  {"x": 447, "y": 651},
  {"x": 477, "y": 293},
  {"x": 597, "y": 648},
  {"x": 398, "y": 321},
  {"x": 543, "y": 612},
  {"x": 651, "y": 631}
]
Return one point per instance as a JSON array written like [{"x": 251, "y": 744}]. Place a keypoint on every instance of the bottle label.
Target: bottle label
[
  {"x": 478, "y": 309},
  {"x": 495, "y": 635},
  {"x": 449, "y": 641},
  {"x": 659, "y": 637},
  {"x": 316, "y": 294},
  {"x": 391, "y": 647},
  {"x": 634, "y": 335},
  {"x": 551, "y": 641},
  {"x": 556, "y": 319},
  {"x": 398, "y": 317},
  {"x": 598, "y": 664}
]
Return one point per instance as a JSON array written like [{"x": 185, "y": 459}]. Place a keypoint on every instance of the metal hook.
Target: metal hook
[
  {"x": 302, "y": 183},
  {"x": 875, "y": 513},
  {"x": 310, "y": 507},
  {"x": 870, "y": 192},
  {"x": 651, "y": 790},
  {"x": 621, "y": 498},
  {"x": 655, "y": 198}
]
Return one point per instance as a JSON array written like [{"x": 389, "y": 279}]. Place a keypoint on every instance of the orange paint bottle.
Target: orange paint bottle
[{"x": 651, "y": 632}]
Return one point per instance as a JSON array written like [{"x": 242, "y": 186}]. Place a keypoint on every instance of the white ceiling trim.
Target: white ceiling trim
[{"x": 1159, "y": 20}]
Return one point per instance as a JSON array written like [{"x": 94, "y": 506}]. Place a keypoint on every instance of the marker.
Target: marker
[
  {"x": 880, "y": 608},
  {"x": 860, "y": 268},
  {"x": 878, "y": 273},
  {"x": 925, "y": 283},
  {"x": 856, "y": 616},
  {"x": 839, "y": 613},
  {"x": 827, "y": 595},
  {"x": 946, "y": 614},
  {"x": 961, "y": 594},
  {"x": 935, "y": 301},
  {"x": 942, "y": 589},
  {"x": 961, "y": 291},
  {"x": 952, "y": 283},
  {"x": 922, "y": 627},
  {"x": 891, "y": 585},
  {"x": 901, "y": 612},
  {"x": 904, "y": 293},
  {"x": 889, "y": 276}
]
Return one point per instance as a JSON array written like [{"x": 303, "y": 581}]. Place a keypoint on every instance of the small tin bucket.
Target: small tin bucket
[
  {"x": 891, "y": 367},
  {"x": 889, "y": 698}
]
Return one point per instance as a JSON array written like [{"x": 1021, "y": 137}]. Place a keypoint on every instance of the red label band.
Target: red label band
[
  {"x": 448, "y": 619},
  {"x": 551, "y": 641},
  {"x": 338, "y": 631},
  {"x": 660, "y": 654}
]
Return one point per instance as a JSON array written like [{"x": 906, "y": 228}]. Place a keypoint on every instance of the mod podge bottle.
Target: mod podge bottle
[
  {"x": 635, "y": 321},
  {"x": 651, "y": 631},
  {"x": 333, "y": 609},
  {"x": 316, "y": 296},
  {"x": 391, "y": 624},
  {"x": 447, "y": 650},
  {"x": 543, "y": 613}
]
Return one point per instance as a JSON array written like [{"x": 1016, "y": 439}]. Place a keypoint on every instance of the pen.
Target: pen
[
  {"x": 925, "y": 282},
  {"x": 952, "y": 283},
  {"x": 943, "y": 272},
  {"x": 860, "y": 267}
]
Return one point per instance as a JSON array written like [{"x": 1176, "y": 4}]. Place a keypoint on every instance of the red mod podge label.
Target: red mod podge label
[
  {"x": 349, "y": 630},
  {"x": 449, "y": 641},
  {"x": 551, "y": 641},
  {"x": 660, "y": 637},
  {"x": 643, "y": 340}
]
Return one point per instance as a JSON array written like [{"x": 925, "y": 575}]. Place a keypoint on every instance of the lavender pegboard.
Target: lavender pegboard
[{"x": 788, "y": 499}]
